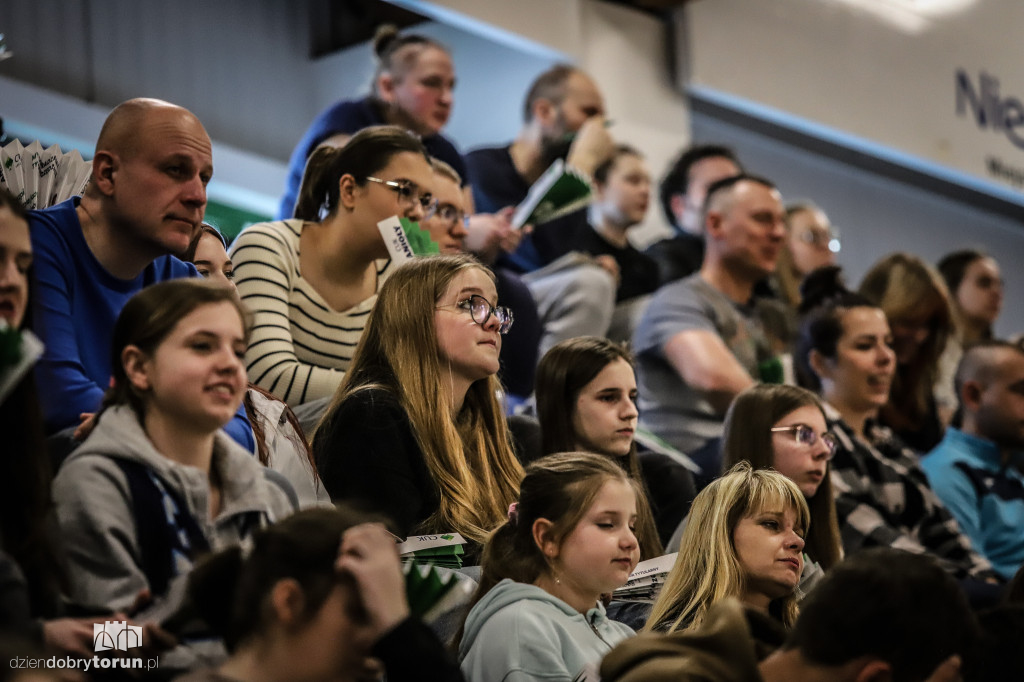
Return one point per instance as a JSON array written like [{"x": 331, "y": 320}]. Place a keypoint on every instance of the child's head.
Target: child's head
[
  {"x": 409, "y": 337},
  {"x": 744, "y": 538},
  {"x": 897, "y": 612},
  {"x": 586, "y": 397},
  {"x": 574, "y": 522},
  {"x": 177, "y": 348},
  {"x": 622, "y": 186},
  {"x": 208, "y": 252},
  {"x": 286, "y": 591},
  {"x": 749, "y": 434},
  {"x": 586, "y": 400}
]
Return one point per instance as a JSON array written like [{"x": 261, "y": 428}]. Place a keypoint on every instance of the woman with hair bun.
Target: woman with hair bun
[
  {"x": 412, "y": 88},
  {"x": 318, "y": 594},
  {"x": 312, "y": 281}
]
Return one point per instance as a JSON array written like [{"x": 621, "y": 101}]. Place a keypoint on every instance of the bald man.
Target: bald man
[
  {"x": 974, "y": 470},
  {"x": 146, "y": 196}
]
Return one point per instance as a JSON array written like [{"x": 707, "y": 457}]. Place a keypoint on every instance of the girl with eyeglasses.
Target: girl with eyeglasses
[
  {"x": 780, "y": 427},
  {"x": 810, "y": 244},
  {"x": 415, "y": 431},
  {"x": 312, "y": 281}
]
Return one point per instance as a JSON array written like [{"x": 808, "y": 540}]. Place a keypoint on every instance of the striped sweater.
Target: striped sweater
[{"x": 300, "y": 347}]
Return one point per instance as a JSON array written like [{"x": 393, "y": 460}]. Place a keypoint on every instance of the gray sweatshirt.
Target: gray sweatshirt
[{"x": 95, "y": 511}]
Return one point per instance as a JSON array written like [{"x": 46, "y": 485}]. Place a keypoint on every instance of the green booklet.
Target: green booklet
[
  {"x": 405, "y": 239},
  {"x": 561, "y": 190},
  {"x": 440, "y": 550},
  {"x": 433, "y": 592}
]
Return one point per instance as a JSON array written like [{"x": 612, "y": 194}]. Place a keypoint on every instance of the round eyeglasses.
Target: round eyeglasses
[
  {"x": 805, "y": 434},
  {"x": 822, "y": 238},
  {"x": 480, "y": 309},
  {"x": 408, "y": 192},
  {"x": 447, "y": 214}
]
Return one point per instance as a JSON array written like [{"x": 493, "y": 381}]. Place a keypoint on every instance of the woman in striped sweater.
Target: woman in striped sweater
[{"x": 311, "y": 281}]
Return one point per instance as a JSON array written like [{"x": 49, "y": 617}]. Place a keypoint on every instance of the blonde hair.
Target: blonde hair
[
  {"x": 707, "y": 569},
  {"x": 470, "y": 458},
  {"x": 904, "y": 286}
]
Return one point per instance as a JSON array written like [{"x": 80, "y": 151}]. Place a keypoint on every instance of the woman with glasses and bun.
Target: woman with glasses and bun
[
  {"x": 415, "y": 431},
  {"x": 780, "y": 427},
  {"x": 413, "y": 88},
  {"x": 311, "y": 281}
]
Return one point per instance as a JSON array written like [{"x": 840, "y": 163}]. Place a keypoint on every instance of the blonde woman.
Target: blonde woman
[
  {"x": 744, "y": 539},
  {"x": 916, "y": 303},
  {"x": 415, "y": 431}
]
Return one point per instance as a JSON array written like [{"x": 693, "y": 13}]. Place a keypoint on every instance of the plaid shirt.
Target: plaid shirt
[{"x": 883, "y": 499}]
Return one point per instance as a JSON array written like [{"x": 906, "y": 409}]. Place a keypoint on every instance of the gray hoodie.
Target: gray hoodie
[
  {"x": 519, "y": 632},
  {"x": 95, "y": 511}
]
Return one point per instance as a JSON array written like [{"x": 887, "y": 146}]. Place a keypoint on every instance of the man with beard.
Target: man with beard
[
  {"x": 974, "y": 469},
  {"x": 563, "y": 118}
]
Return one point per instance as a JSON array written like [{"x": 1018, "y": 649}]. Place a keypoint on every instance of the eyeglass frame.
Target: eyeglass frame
[
  {"x": 436, "y": 208},
  {"x": 828, "y": 438},
  {"x": 404, "y": 187},
  {"x": 822, "y": 239},
  {"x": 498, "y": 311}
]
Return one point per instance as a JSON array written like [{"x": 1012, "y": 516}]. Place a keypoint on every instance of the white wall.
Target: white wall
[{"x": 884, "y": 70}]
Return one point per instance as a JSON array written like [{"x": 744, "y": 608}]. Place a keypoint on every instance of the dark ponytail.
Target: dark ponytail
[
  {"x": 365, "y": 153},
  {"x": 824, "y": 299}
]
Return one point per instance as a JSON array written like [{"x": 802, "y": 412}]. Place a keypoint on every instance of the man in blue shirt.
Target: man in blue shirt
[
  {"x": 973, "y": 470},
  {"x": 146, "y": 196}
]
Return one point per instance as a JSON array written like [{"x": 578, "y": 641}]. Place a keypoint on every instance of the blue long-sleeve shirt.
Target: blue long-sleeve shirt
[
  {"x": 75, "y": 303},
  {"x": 985, "y": 495}
]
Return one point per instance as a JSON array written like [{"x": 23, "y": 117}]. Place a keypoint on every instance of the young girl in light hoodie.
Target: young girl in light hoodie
[
  {"x": 568, "y": 540},
  {"x": 157, "y": 483}
]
